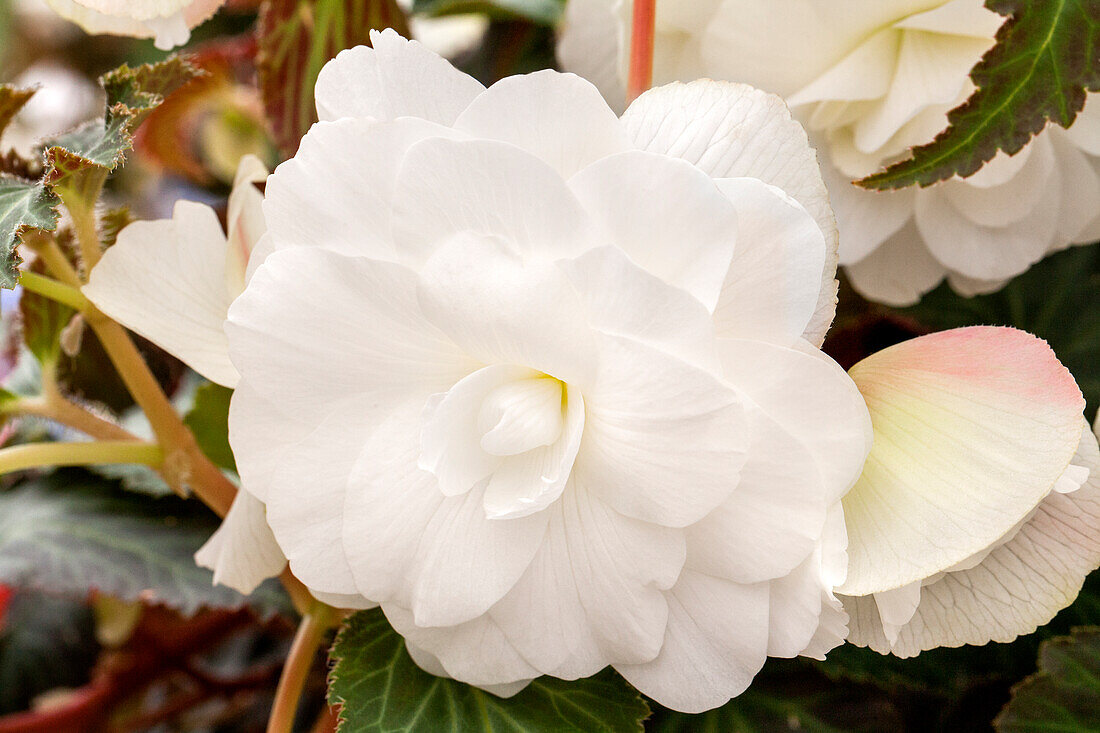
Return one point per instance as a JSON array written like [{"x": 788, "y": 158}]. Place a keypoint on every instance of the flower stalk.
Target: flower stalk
[
  {"x": 308, "y": 639},
  {"x": 37, "y": 455},
  {"x": 55, "y": 290},
  {"x": 642, "y": 33}
]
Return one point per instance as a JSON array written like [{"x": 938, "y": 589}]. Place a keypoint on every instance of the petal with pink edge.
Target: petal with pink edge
[{"x": 972, "y": 428}]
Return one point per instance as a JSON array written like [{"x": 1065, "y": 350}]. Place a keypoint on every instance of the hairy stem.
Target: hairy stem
[
  {"x": 37, "y": 455},
  {"x": 311, "y": 632},
  {"x": 53, "y": 406},
  {"x": 643, "y": 29},
  {"x": 56, "y": 290},
  {"x": 79, "y": 193}
]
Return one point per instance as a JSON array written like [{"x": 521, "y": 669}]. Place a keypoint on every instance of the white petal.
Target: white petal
[
  {"x": 450, "y": 441},
  {"x": 1017, "y": 196},
  {"x": 734, "y": 131},
  {"x": 589, "y": 44},
  {"x": 1085, "y": 130},
  {"x": 557, "y": 117},
  {"x": 502, "y": 309},
  {"x": 668, "y": 216},
  {"x": 956, "y": 17},
  {"x": 395, "y": 78},
  {"x": 899, "y": 271},
  {"x": 772, "y": 521},
  {"x": 476, "y": 652},
  {"x": 438, "y": 556},
  {"x": 810, "y": 397},
  {"x": 593, "y": 593},
  {"x": 1018, "y": 587},
  {"x": 166, "y": 281},
  {"x": 139, "y": 20},
  {"x": 773, "y": 285},
  {"x": 641, "y": 306},
  {"x": 972, "y": 428},
  {"x": 664, "y": 441},
  {"x": 530, "y": 482},
  {"x": 981, "y": 252},
  {"x": 865, "y": 73},
  {"x": 492, "y": 189},
  {"x": 1080, "y": 192},
  {"x": 242, "y": 552},
  {"x": 245, "y": 223},
  {"x": 715, "y": 644},
  {"x": 795, "y": 607},
  {"x": 365, "y": 337}
]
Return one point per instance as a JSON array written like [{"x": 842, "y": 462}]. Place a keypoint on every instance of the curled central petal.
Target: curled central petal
[{"x": 519, "y": 416}]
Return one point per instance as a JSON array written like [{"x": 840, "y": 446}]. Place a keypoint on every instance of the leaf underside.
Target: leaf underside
[
  {"x": 1064, "y": 695},
  {"x": 379, "y": 689},
  {"x": 297, "y": 38},
  {"x": 71, "y": 532},
  {"x": 1046, "y": 58}
]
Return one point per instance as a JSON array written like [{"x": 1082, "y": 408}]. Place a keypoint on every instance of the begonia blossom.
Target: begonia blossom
[
  {"x": 543, "y": 382},
  {"x": 167, "y": 22},
  {"x": 977, "y": 516},
  {"x": 870, "y": 79},
  {"x": 172, "y": 282}
]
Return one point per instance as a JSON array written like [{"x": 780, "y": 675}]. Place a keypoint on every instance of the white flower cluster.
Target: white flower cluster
[
  {"x": 870, "y": 79},
  {"x": 545, "y": 383}
]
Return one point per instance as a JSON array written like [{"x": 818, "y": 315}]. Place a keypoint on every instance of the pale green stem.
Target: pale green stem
[
  {"x": 47, "y": 287},
  {"x": 38, "y": 455}
]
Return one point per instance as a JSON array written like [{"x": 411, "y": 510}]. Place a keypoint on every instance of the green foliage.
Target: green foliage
[
  {"x": 1058, "y": 299},
  {"x": 132, "y": 93},
  {"x": 70, "y": 532},
  {"x": 1046, "y": 57},
  {"x": 1064, "y": 695},
  {"x": 23, "y": 205},
  {"x": 209, "y": 421},
  {"x": 45, "y": 642},
  {"x": 547, "y": 12},
  {"x": 381, "y": 690},
  {"x": 43, "y": 321},
  {"x": 297, "y": 38}
]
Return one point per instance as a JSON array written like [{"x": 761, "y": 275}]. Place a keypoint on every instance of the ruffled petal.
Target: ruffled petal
[
  {"x": 664, "y": 441},
  {"x": 972, "y": 428},
  {"x": 391, "y": 78},
  {"x": 559, "y": 118},
  {"x": 772, "y": 289},
  {"x": 668, "y": 216},
  {"x": 734, "y": 131},
  {"x": 897, "y": 272},
  {"x": 707, "y": 657},
  {"x": 242, "y": 552}
]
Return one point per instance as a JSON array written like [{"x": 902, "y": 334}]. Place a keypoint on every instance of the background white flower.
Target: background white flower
[
  {"x": 172, "y": 282},
  {"x": 167, "y": 22},
  {"x": 543, "y": 382},
  {"x": 871, "y": 78},
  {"x": 977, "y": 516}
]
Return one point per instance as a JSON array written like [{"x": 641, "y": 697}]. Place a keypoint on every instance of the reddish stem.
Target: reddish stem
[{"x": 641, "y": 48}]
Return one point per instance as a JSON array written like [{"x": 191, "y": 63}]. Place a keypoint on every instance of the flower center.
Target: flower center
[{"x": 521, "y": 415}]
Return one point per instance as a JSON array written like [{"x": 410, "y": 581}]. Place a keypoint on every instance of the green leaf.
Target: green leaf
[
  {"x": 45, "y": 643},
  {"x": 23, "y": 205},
  {"x": 297, "y": 38},
  {"x": 1064, "y": 695},
  {"x": 70, "y": 532},
  {"x": 132, "y": 93},
  {"x": 1046, "y": 57},
  {"x": 209, "y": 421},
  {"x": 546, "y": 12},
  {"x": 1058, "y": 299},
  {"x": 381, "y": 690}
]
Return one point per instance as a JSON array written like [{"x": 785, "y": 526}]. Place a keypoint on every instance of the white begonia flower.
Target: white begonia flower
[
  {"x": 172, "y": 282},
  {"x": 167, "y": 22},
  {"x": 870, "y": 79},
  {"x": 977, "y": 516},
  {"x": 544, "y": 383}
]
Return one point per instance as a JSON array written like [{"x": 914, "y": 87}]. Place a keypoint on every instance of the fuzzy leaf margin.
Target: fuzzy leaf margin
[{"x": 1047, "y": 56}]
